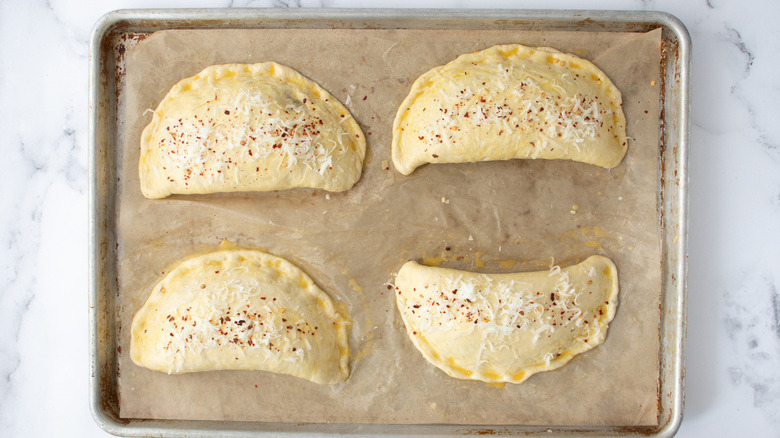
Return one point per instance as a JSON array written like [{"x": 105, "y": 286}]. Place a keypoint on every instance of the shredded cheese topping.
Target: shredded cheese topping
[
  {"x": 230, "y": 130},
  {"x": 510, "y": 102},
  {"x": 506, "y": 327},
  {"x": 500, "y": 308},
  {"x": 514, "y": 103},
  {"x": 221, "y": 316}
]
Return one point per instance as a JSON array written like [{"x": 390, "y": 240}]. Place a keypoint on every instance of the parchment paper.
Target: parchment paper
[{"x": 490, "y": 217}]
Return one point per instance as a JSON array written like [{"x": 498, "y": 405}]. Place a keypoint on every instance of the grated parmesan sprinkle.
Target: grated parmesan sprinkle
[
  {"x": 499, "y": 307},
  {"x": 220, "y": 316},
  {"x": 228, "y": 132},
  {"x": 514, "y": 103}
]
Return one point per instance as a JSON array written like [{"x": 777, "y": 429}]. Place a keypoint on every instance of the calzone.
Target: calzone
[
  {"x": 510, "y": 101},
  {"x": 241, "y": 310},
  {"x": 249, "y": 127},
  {"x": 506, "y": 327}
]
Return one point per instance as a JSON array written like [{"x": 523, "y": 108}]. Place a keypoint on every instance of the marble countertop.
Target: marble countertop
[{"x": 733, "y": 344}]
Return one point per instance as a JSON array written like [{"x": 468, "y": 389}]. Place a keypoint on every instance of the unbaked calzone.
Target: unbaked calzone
[
  {"x": 241, "y": 310},
  {"x": 249, "y": 127},
  {"x": 510, "y": 101},
  {"x": 506, "y": 327}
]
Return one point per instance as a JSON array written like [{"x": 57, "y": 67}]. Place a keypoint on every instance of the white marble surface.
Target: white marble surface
[{"x": 733, "y": 354}]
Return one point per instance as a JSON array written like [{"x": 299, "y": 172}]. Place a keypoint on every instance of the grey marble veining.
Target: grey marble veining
[{"x": 733, "y": 348}]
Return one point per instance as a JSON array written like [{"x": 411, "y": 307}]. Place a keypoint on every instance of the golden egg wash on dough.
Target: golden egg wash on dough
[
  {"x": 249, "y": 127},
  {"x": 506, "y": 327},
  {"x": 508, "y": 102},
  {"x": 241, "y": 310}
]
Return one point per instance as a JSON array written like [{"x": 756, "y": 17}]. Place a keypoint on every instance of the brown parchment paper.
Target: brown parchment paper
[{"x": 490, "y": 217}]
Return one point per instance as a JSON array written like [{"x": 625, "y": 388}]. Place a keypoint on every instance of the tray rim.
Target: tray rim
[{"x": 674, "y": 146}]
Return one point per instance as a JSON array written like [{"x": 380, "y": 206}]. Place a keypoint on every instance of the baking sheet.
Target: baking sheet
[{"x": 504, "y": 216}]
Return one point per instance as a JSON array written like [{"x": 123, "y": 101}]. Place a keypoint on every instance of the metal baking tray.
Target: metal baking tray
[{"x": 117, "y": 31}]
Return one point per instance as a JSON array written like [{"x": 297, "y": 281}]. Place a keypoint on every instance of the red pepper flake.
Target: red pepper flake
[
  {"x": 227, "y": 112},
  {"x": 435, "y": 156},
  {"x": 365, "y": 97}
]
